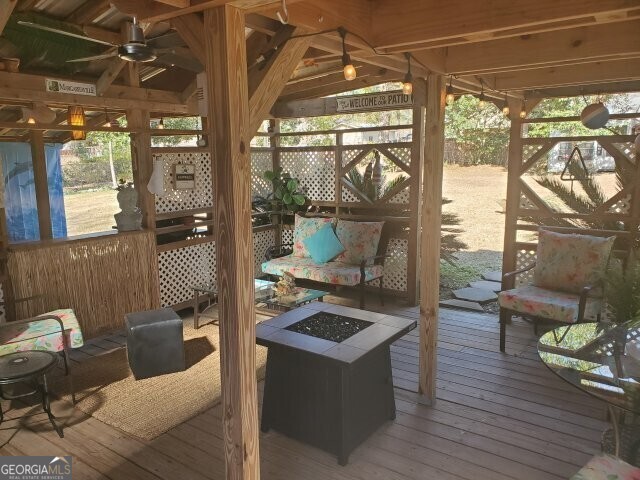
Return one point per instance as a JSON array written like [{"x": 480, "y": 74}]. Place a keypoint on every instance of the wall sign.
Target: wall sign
[
  {"x": 373, "y": 101},
  {"x": 184, "y": 176},
  {"x": 75, "y": 88}
]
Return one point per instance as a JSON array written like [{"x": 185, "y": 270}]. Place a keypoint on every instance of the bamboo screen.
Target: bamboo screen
[{"x": 100, "y": 278}]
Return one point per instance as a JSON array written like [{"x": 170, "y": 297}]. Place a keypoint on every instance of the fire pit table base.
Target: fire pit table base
[{"x": 327, "y": 394}]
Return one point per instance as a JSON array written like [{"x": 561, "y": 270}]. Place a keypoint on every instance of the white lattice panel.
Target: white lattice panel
[
  {"x": 628, "y": 148},
  {"x": 403, "y": 154},
  {"x": 287, "y": 235},
  {"x": 178, "y": 200},
  {"x": 529, "y": 151},
  {"x": 349, "y": 155},
  {"x": 183, "y": 267},
  {"x": 314, "y": 169},
  {"x": 622, "y": 206},
  {"x": 261, "y": 161},
  {"x": 261, "y": 241},
  {"x": 401, "y": 197},
  {"x": 525, "y": 203},
  {"x": 523, "y": 259},
  {"x": 348, "y": 195},
  {"x": 395, "y": 265}
]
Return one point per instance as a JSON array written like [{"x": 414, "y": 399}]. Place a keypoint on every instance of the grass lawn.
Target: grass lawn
[{"x": 90, "y": 212}]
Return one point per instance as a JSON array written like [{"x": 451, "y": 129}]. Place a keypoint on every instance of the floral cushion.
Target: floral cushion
[
  {"x": 41, "y": 335},
  {"x": 333, "y": 273},
  {"x": 568, "y": 262},
  {"x": 306, "y": 227},
  {"x": 554, "y": 305},
  {"x": 607, "y": 467},
  {"x": 360, "y": 240}
]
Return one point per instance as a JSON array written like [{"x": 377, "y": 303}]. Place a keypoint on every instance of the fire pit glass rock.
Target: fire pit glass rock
[{"x": 328, "y": 326}]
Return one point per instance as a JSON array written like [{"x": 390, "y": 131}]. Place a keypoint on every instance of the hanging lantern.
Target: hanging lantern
[{"x": 76, "y": 118}]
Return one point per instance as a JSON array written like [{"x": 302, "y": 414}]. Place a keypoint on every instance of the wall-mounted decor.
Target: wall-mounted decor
[{"x": 184, "y": 176}]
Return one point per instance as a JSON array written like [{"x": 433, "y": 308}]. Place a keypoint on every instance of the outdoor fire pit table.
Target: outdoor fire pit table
[{"x": 328, "y": 381}]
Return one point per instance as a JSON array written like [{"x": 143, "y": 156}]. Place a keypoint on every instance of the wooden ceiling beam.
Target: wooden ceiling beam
[
  {"x": 342, "y": 86},
  {"x": 596, "y": 89},
  {"x": 6, "y": 9},
  {"x": 191, "y": 29},
  {"x": 582, "y": 74},
  {"x": 88, "y": 12},
  {"x": 19, "y": 87},
  {"x": 176, "y": 3},
  {"x": 337, "y": 77},
  {"x": 419, "y": 22},
  {"x": 258, "y": 71},
  {"x": 579, "y": 45},
  {"x": 273, "y": 78},
  {"x": 155, "y": 11}
]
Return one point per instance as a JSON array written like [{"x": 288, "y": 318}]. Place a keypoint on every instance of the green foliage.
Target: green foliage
[
  {"x": 622, "y": 290},
  {"x": 480, "y": 133},
  {"x": 453, "y": 276},
  {"x": 285, "y": 190},
  {"x": 177, "y": 123}
]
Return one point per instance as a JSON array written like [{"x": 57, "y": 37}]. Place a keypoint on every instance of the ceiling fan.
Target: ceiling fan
[{"x": 164, "y": 49}]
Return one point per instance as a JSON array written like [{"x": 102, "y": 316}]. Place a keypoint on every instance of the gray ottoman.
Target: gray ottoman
[{"x": 154, "y": 343}]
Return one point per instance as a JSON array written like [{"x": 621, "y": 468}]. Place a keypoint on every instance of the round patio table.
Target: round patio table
[
  {"x": 29, "y": 368},
  {"x": 594, "y": 357}
]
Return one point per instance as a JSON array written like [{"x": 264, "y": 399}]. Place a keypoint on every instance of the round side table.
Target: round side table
[{"x": 30, "y": 368}]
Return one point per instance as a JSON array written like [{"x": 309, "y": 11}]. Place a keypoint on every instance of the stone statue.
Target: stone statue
[{"x": 130, "y": 218}]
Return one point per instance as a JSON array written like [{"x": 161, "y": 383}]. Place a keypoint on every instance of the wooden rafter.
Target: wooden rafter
[
  {"x": 432, "y": 23},
  {"x": 191, "y": 29},
  {"x": 580, "y": 74},
  {"x": 566, "y": 47},
  {"x": 273, "y": 79},
  {"x": 89, "y": 11},
  {"x": 6, "y": 9}
]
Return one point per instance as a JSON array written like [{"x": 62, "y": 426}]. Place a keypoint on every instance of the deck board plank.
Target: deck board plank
[{"x": 497, "y": 417}]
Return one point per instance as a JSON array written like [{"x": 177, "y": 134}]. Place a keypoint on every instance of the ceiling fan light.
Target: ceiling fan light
[{"x": 136, "y": 52}]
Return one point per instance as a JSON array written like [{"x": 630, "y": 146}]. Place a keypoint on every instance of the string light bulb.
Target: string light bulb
[
  {"x": 161, "y": 124},
  {"x": 450, "y": 97},
  {"x": 482, "y": 101},
  {"x": 407, "y": 84},
  {"x": 31, "y": 120},
  {"x": 347, "y": 67},
  {"x": 523, "y": 111},
  {"x": 505, "y": 109}
]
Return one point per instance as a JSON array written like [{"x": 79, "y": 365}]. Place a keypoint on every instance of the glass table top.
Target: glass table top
[
  {"x": 600, "y": 359},
  {"x": 19, "y": 365},
  {"x": 299, "y": 297}
]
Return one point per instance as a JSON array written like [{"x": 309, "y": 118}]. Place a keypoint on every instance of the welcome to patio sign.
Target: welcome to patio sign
[{"x": 374, "y": 101}]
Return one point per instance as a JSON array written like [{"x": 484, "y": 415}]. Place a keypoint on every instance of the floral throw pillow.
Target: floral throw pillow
[
  {"x": 360, "y": 240},
  {"x": 304, "y": 228},
  {"x": 568, "y": 262}
]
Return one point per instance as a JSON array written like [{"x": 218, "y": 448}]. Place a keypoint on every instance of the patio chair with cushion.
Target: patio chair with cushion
[
  {"x": 56, "y": 331},
  {"x": 567, "y": 286}
]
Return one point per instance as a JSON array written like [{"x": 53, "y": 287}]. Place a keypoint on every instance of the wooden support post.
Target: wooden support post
[
  {"x": 514, "y": 170},
  {"x": 274, "y": 143},
  {"x": 417, "y": 161},
  {"x": 228, "y": 107},
  {"x": 41, "y": 183},
  {"x": 431, "y": 212},
  {"x": 339, "y": 171}
]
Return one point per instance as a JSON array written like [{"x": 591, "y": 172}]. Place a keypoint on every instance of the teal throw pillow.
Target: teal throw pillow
[{"x": 323, "y": 245}]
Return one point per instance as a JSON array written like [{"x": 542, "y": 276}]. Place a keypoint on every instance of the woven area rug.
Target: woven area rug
[{"x": 107, "y": 390}]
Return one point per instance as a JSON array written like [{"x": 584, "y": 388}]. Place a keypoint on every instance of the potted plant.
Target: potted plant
[
  {"x": 287, "y": 197},
  {"x": 622, "y": 290}
]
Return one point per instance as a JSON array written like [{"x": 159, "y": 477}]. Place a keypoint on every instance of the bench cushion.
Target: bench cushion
[
  {"x": 334, "y": 273},
  {"x": 607, "y": 467},
  {"x": 41, "y": 335},
  {"x": 554, "y": 305}
]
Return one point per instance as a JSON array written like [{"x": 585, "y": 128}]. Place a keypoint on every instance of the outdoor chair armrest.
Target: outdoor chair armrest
[
  {"x": 364, "y": 263},
  {"x": 585, "y": 293},
  {"x": 508, "y": 275},
  {"x": 272, "y": 252}
]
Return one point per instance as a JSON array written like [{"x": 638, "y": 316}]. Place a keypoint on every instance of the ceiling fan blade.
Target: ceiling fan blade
[
  {"x": 168, "y": 40},
  {"x": 111, "y": 54},
  {"x": 62, "y": 32},
  {"x": 181, "y": 61}
]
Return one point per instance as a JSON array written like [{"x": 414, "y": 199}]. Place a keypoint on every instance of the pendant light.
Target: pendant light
[
  {"x": 407, "y": 85},
  {"x": 347, "y": 67},
  {"x": 76, "y": 118},
  {"x": 450, "y": 98}
]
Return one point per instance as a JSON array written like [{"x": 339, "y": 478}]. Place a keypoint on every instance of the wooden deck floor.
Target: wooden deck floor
[{"x": 497, "y": 417}]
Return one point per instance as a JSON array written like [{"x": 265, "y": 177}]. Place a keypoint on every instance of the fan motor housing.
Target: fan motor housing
[{"x": 136, "y": 52}]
